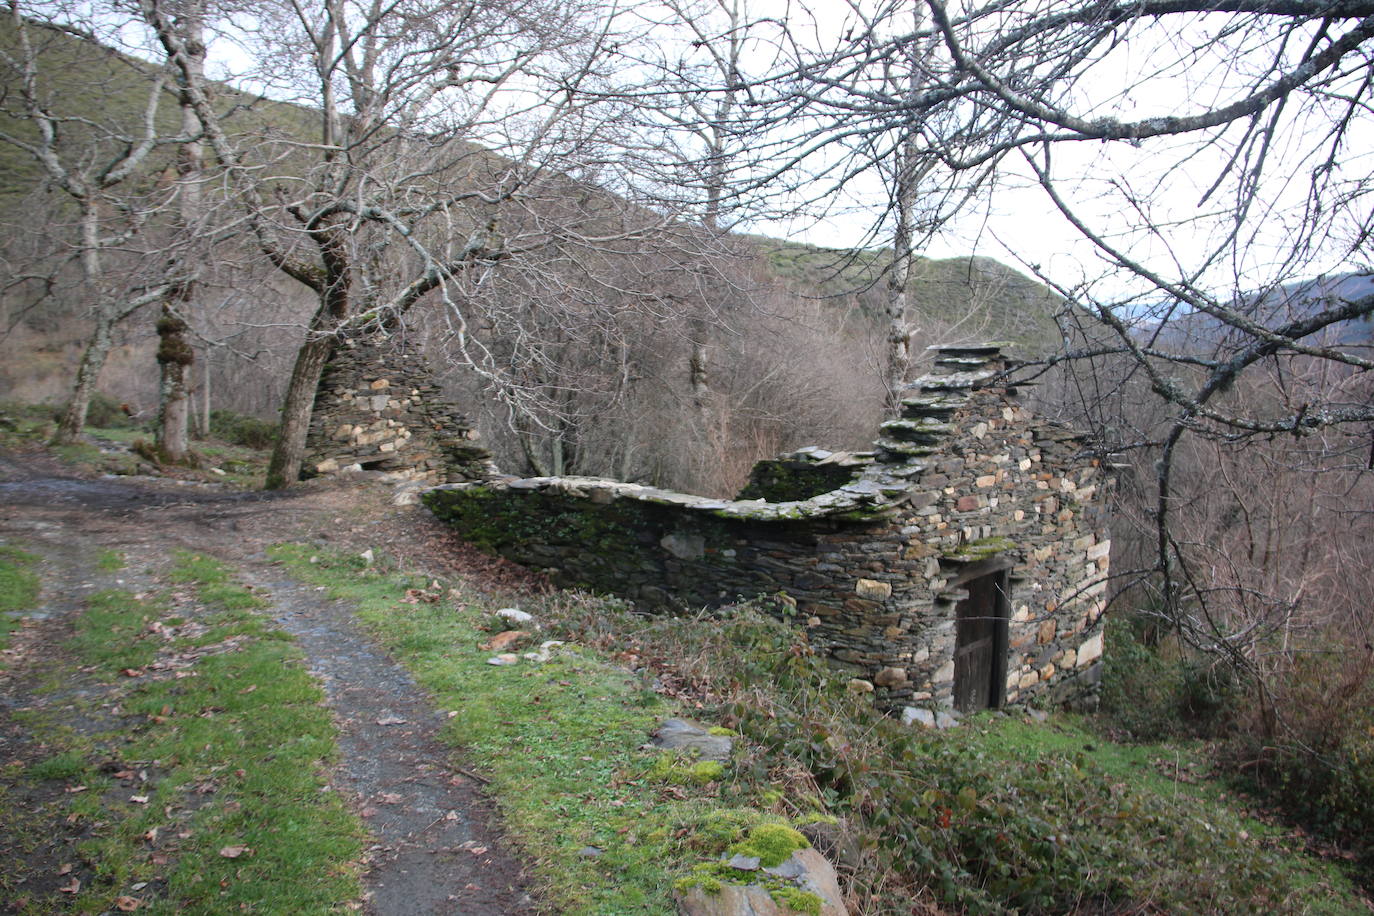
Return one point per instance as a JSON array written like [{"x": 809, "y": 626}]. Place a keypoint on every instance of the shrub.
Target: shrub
[
  {"x": 104, "y": 412},
  {"x": 1311, "y": 750},
  {"x": 241, "y": 429},
  {"x": 1154, "y": 690}
]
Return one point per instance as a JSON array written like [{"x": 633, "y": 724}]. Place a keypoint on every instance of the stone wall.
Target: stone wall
[
  {"x": 966, "y": 484},
  {"x": 377, "y": 408},
  {"x": 803, "y": 474}
]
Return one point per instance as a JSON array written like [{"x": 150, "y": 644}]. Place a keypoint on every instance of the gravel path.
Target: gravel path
[{"x": 434, "y": 848}]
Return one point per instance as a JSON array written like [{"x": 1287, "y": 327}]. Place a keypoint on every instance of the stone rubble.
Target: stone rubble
[{"x": 378, "y": 409}]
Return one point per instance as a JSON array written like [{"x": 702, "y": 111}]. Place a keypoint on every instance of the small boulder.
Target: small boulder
[
  {"x": 407, "y": 494},
  {"x": 891, "y": 677},
  {"x": 515, "y": 615},
  {"x": 684, "y": 734},
  {"x": 806, "y": 872}
]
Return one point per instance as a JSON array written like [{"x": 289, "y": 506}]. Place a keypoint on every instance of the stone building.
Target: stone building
[
  {"x": 377, "y": 408},
  {"x": 961, "y": 564}
]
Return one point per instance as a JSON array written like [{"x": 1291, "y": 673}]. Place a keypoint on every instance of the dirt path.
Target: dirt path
[{"x": 434, "y": 849}]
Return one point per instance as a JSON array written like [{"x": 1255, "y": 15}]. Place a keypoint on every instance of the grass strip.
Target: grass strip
[
  {"x": 606, "y": 826},
  {"x": 18, "y": 589},
  {"x": 210, "y": 796}
]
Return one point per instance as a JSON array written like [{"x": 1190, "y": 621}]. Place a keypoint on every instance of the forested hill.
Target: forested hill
[
  {"x": 964, "y": 297},
  {"x": 796, "y": 332},
  {"x": 109, "y": 91}
]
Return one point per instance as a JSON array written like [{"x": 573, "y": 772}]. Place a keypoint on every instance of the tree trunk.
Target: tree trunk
[
  {"x": 697, "y": 373},
  {"x": 899, "y": 330},
  {"x": 205, "y": 396},
  {"x": 285, "y": 467},
  {"x": 175, "y": 355},
  {"x": 87, "y": 374},
  {"x": 102, "y": 337}
]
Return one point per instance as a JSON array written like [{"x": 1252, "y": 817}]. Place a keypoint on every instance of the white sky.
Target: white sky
[
  {"x": 1019, "y": 225},
  {"x": 1111, "y": 186}
]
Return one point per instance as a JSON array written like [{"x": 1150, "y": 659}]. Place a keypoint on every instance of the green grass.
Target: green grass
[
  {"x": 19, "y": 586},
  {"x": 234, "y": 753},
  {"x": 999, "y": 814},
  {"x": 109, "y": 560},
  {"x": 561, "y": 743},
  {"x": 215, "y": 585},
  {"x": 1221, "y": 848}
]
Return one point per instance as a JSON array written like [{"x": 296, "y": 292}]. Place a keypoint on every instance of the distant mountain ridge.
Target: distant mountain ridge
[{"x": 1278, "y": 306}]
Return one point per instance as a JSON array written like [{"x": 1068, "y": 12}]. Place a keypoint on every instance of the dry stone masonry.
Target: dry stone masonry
[
  {"x": 962, "y": 564},
  {"x": 378, "y": 409}
]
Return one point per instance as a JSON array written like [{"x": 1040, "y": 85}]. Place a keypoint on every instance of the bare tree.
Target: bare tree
[
  {"x": 397, "y": 200},
  {"x": 461, "y": 155},
  {"x": 176, "y": 353},
  {"x": 97, "y": 164},
  {"x": 1207, "y": 156}
]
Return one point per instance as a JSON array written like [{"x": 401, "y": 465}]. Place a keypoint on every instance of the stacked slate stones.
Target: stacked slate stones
[
  {"x": 377, "y": 408},
  {"x": 924, "y": 423}
]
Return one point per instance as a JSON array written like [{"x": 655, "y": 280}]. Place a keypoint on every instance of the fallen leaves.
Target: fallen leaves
[
  {"x": 234, "y": 852},
  {"x": 127, "y": 904},
  {"x": 391, "y": 720},
  {"x": 503, "y": 640}
]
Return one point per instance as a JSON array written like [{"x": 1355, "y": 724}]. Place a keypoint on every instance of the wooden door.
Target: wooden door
[{"x": 980, "y": 644}]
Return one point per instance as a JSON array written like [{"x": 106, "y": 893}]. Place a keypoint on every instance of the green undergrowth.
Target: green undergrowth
[
  {"x": 1310, "y": 758},
  {"x": 1001, "y": 815},
  {"x": 18, "y": 589},
  {"x": 235, "y": 452},
  {"x": 607, "y": 827},
  {"x": 207, "y": 793}
]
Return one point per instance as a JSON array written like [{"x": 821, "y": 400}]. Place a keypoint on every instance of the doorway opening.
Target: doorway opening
[{"x": 980, "y": 638}]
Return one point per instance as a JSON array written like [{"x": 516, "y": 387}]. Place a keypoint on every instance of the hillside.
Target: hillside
[
  {"x": 1277, "y": 307},
  {"x": 967, "y": 297},
  {"x": 101, "y": 94},
  {"x": 806, "y": 320}
]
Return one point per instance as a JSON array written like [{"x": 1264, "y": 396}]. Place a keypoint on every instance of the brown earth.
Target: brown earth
[{"x": 435, "y": 847}]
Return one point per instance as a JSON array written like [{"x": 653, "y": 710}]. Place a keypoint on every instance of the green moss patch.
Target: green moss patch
[{"x": 683, "y": 771}]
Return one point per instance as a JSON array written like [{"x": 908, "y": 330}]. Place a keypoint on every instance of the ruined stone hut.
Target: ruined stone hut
[
  {"x": 962, "y": 564},
  {"x": 377, "y": 409}
]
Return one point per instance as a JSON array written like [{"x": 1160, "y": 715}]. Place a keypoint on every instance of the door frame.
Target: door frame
[{"x": 1000, "y": 567}]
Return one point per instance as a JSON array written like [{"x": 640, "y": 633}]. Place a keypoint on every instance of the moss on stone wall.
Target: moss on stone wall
[{"x": 780, "y": 480}]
